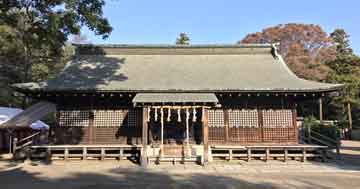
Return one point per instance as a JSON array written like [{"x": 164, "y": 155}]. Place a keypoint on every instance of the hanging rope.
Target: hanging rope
[
  {"x": 187, "y": 114},
  {"x": 156, "y": 114},
  {"x": 179, "y": 115},
  {"x": 194, "y": 115},
  {"x": 168, "y": 115}
]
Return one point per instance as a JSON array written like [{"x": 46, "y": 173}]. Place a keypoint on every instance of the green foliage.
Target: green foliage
[
  {"x": 183, "y": 39},
  {"x": 33, "y": 37},
  {"x": 329, "y": 130},
  {"x": 345, "y": 69},
  {"x": 341, "y": 40}
]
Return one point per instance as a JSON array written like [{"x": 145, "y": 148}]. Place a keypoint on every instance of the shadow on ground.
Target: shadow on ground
[
  {"x": 95, "y": 177},
  {"x": 122, "y": 178}
]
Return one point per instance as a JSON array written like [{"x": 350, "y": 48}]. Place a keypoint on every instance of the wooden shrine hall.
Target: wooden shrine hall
[{"x": 176, "y": 103}]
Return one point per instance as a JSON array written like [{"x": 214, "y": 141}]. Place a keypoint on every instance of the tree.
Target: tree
[
  {"x": 345, "y": 69},
  {"x": 183, "y": 39},
  {"x": 33, "y": 34},
  {"x": 303, "y": 46},
  {"x": 341, "y": 40}
]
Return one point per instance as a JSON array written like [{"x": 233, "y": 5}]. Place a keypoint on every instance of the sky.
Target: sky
[{"x": 221, "y": 21}]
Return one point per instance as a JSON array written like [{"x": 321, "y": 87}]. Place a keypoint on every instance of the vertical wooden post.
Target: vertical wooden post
[
  {"x": 144, "y": 156},
  {"x": 14, "y": 147},
  {"x": 248, "y": 154},
  {"x": 226, "y": 122},
  {"x": 66, "y": 154},
  {"x": 261, "y": 123},
  {"x": 205, "y": 128},
  {"x": 294, "y": 122},
  {"x": 162, "y": 132},
  {"x": 102, "y": 155},
  {"x": 10, "y": 143},
  {"x": 350, "y": 119},
  {"x": 188, "y": 153},
  {"x": 304, "y": 156},
  {"x": 91, "y": 126},
  {"x": 267, "y": 153},
  {"x": 84, "y": 153},
  {"x": 320, "y": 109},
  {"x": 48, "y": 154}
]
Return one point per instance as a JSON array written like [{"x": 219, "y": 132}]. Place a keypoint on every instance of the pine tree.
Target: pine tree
[{"x": 183, "y": 39}]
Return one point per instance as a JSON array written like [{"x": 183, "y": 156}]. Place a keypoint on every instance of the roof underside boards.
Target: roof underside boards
[
  {"x": 172, "y": 69},
  {"x": 175, "y": 98}
]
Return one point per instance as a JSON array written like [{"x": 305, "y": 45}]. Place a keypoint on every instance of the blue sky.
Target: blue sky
[{"x": 221, "y": 21}]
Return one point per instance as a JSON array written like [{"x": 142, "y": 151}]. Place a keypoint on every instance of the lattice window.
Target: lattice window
[
  {"x": 133, "y": 117},
  {"x": 74, "y": 118},
  {"x": 109, "y": 118},
  {"x": 243, "y": 118},
  {"x": 216, "y": 118},
  {"x": 277, "y": 118}
]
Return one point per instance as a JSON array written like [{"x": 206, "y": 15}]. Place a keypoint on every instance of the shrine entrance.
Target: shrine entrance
[
  {"x": 174, "y": 126},
  {"x": 174, "y": 129}
]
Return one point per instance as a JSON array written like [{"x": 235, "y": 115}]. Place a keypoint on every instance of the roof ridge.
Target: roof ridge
[{"x": 216, "y": 45}]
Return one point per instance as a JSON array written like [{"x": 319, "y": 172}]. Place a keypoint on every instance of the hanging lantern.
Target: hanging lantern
[
  {"x": 168, "y": 115},
  {"x": 194, "y": 115},
  {"x": 179, "y": 115},
  {"x": 156, "y": 114}
]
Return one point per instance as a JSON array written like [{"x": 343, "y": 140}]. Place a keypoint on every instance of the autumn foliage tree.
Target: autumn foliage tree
[{"x": 303, "y": 46}]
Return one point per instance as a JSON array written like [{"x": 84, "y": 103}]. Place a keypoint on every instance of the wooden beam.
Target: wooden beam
[
  {"x": 144, "y": 156},
  {"x": 205, "y": 129}
]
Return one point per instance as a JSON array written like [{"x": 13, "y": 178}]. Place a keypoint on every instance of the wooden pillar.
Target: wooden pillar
[
  {"x": 226, "y": 122},
  {"x": 188, "y": 153},
  {"x": 261, "y": 123},
  {"x": 205, "y": 129},
  {"x": 84, "y": 153},
  {"x": 91, "y": 126},
  {"x": 320, "y": 109},
  {"x": 295, "y": 126},
  {"x": 144, "y": 156},
  {"x": 162, "y": 132}
]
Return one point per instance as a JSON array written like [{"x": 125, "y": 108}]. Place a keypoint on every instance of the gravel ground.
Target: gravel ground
[
  {"x": 343, "y": 173},
  {"x": 113, "y": 174}
]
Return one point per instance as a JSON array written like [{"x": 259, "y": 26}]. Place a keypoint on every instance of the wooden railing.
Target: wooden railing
[
  {"x": 313, "y": 137},
  {"x": 24, "y": 142}
]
